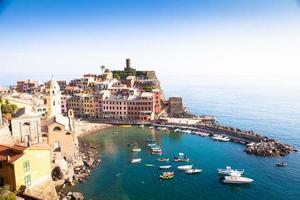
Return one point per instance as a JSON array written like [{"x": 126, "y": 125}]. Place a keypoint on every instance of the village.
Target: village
[{"x": 41, "y": 125}]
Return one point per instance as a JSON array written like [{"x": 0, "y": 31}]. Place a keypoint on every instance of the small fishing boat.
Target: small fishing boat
[
  {"x": 181, "y": 158},
  {"x": 163, "y": 159},
  {"x": 165, "y": 167},
  {"x": 228, "y": 170},
  {"x": 193, "y": 171},
  {"x": 125, "y": 126},
  {"x": 177, "y": 130},
  {"x": 136, "y": 160},
  {"x": 221, "y": 138},
  {"x": 168, "y": 173},
  {"x": 156, "y": 152},
  {"x": 167, "y": 176},
  {"x": 149, "y": 165},
  {"x": 235, "y": 178},
  {"x": 132, "y": 144},
  {"x": 151, "y": 145},
  {"x": 153, "y": 148},
  {"x": 185, "y": 167},
  {"x": 150, "y": 140},
  {"x": 135, "y": 149},
  {"x": 201, "y": 133},
  {"x": 281, "y": 164}
]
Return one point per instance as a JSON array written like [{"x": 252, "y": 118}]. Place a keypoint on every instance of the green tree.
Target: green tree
[{"x": 5, "y": 194}]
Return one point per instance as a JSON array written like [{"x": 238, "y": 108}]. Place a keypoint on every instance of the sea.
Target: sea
[{"x": 272, "y": 112}]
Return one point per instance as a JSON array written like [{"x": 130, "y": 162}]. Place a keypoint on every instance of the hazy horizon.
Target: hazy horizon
[{"x": 217, "y": 42}]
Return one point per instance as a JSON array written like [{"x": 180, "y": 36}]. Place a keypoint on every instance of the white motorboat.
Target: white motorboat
[
  {"x": 136, "y": 160},
  {"x": 141, "y": 126},
  {"x": 186, "y": 131},
  {"x": 135, "y": 149},
  {"x": 185, "y": 167},
  {"x": 236, "y": 178},
  {"x": 153, "y": 148},
  {"x": 151, "y": 127},
  {"x": 193, "y": 171},
  {"x": 165, "y": 167},
  {"x": 152, "y": 145},
  {"x": 181, "y": 158},
  {"x": 229, "y": 171},
  {"x": 220, "y": 138},
  {"x": 177, "y": 130},
  {"x": 201, "y": 133}
]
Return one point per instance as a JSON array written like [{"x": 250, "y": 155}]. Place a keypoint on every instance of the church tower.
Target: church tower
[{"x": 53, "y": 99}]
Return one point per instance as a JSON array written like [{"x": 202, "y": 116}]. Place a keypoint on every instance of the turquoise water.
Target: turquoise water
[{"x": 274, "y": 113}]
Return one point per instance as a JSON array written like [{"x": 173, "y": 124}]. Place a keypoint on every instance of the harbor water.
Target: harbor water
[{"x": 272, "y": 113}]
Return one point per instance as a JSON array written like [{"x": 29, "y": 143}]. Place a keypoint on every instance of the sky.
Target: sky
[{"x": 202, "y": 42}]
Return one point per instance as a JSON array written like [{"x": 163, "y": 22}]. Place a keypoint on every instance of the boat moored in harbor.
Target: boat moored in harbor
[
  {"x": 228, "y": 170},
  {"x": 136, "y": 160},
  {"x": 281, "y": 164},
  {"x": 135, "y": 149},
  {"x": 185, "y": 167},
  {"x": 221, "y": 138},
  {"x": 193, "y": 171},
  {"x": 163, "y": 159},
  {"x": 181, "y": 158},
  {"x": 236, "y": 178},
  {"x": 165, "y": 167}
]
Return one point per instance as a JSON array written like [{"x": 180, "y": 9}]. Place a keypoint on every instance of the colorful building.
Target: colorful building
[{"x": 24, "y": 166}]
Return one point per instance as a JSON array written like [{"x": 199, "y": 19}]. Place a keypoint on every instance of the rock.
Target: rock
[{"x": 77, "y": 196}]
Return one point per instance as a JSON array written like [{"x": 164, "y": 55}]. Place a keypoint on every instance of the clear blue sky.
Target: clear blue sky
[{"x": 213, "y": 41}]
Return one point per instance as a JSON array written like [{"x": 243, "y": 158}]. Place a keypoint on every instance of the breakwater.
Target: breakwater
[{"x": 255, "y": 143}]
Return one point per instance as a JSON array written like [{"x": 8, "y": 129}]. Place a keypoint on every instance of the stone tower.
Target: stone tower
[{"x": 53, "y": 99}]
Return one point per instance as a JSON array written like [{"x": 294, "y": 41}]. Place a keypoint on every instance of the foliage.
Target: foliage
[
  {"x": 5, "y": 194},
  {"x": 57, "y": 174},
  {"x": 148, "y": 88},
  {"x": 7, "y": 109}
]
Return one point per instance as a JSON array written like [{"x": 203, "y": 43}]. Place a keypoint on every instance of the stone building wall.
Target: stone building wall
[{"x": 24, "y": 129}]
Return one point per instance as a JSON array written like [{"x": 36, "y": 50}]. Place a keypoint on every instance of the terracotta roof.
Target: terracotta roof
[
  {"x": 69, "y": 87},
  {"x": 13, "y": 152}
]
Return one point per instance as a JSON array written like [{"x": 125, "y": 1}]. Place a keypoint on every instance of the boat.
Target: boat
[
  {"x": 151, "y": 127},
  {"x": 185, "y": 167},
  {"x": 141, "y": 126},
  {"x": 177, "y": 130},
  {"x": 228, "y": 170},
  {"x": 136, "y": 160},
  {"x": 167, "y": 176},
  {"x": 168, "y": 173},
  {"x": 135, "y": 149},
  {"x": 155, "y": 148},
  {"x": 132, "y": 144},
  {"x": 156, "y": 152},
  {"x": 281, "y": 164},
  {"x": 186, "y": 131},
  {"x": 151, "y": 145},
  {"x": 125, "y": 126},
  {"x": 193, "y": 171},
  {"x": 150, "y": 140},
  {"x": 220, "y": 138},
  {"x": 163, "y": 159},
  {"x": 181, "y": 158},
  {"x": 165, "y": 167},
  {"x": 236, "y": 178},
  {"x": 201, "y": 133},
  {"x": 149, "y": 165}
]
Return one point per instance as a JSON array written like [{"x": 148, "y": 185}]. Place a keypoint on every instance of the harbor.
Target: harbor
[
  {"x": 255, "y": 143},
  {"x": 146, "y": 176}
]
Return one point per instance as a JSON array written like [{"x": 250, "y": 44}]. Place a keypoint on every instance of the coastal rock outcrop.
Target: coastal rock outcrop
[{"x": 269, "y": 148}]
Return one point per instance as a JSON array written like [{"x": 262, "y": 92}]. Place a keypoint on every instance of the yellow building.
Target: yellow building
[{"x": 21, "y": 165}]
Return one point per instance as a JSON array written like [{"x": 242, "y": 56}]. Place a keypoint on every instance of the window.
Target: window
[
  {"x": 26, "y": 166},
  {"x": 27, "y": 180}
]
